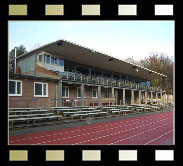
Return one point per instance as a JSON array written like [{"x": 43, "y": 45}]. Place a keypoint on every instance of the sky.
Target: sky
[{"x": 120, "y": 39}]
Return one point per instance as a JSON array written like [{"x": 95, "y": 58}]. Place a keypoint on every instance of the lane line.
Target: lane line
[
  {"x": 49, "y": 135},
  {"x": 124, "y": 130},
  {"x": 158, "y": 137},
  {"x": 140, "y": 133},
  {"x": 132, "y": 129}
]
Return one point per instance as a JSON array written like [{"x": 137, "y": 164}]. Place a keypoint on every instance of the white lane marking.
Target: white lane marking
[
  {"x": 121, "y": 126},
  {"x": 127, "y": 130},
  {"x": 138, "y": 118},
  {"x": 118, "y": 127},
  {"x": 141, "y": 133},
  {"x": 158, "y": 137}
]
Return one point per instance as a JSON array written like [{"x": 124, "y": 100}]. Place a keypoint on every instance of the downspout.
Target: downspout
[{"x": 15, "y": 56}]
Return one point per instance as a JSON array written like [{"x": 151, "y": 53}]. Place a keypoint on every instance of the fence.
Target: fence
[
  {"x": 24, "y": 103},
  {"x": 78, "y": 102}
]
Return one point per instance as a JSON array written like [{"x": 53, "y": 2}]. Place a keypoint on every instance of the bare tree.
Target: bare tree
[
  {"x": 160, "y": 63},
  {"x": 37, "y": 45},
  {"x": 131, "y": 60}
]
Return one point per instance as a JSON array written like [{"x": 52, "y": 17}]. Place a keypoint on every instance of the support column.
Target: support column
[
  {"x": 112, "y": 96},
  {"x": 139, "y": 96},
  {"x": 82, "y": 94},
  {"x": 132, "y": 96},
  {"x": 145, "y": 97},
  {"x": 161, "y": 98},
  {"x": 99, "y": 96},
  {"x": 124, "y": 96},
  {"x": 59, "y": 94},
  {"x": 167, "y": 98},
  {"x": 90, "y": 72},
  {"x": 156, "y": 97},
  {"x": 75, "y": 68},
  {"x": 151, "y": 98}
]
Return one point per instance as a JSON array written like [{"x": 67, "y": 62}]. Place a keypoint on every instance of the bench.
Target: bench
[
  {"x": 103, "y": 113},
  {"x": 92, "y": 114},
  {"x": 79, "y": 115},
  {"x": 69, "y": 113},
  {"x": 124, "y": 111},
  {"x": 138, "y": 109},
  {"x": 116, "y": 112},
  {"x": 29, "y": 115},
  {"x": 14, "y": 109},
  {"x": 27, "y": 112},
  {"x": 155, "y": 107},
  {"x": 33, "y": 119},
  {"x": 147, "y": 109}
]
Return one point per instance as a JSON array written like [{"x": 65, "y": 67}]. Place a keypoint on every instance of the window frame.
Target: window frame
[
  {"x": 42, "y": 83},
  {"x": 59, "y": 61},
  {"x": 96, "y": 93},
  {"x": 15, "y": 88},
  {"x": 55, "y": 59},
  {"x": 68, "y": 92},
  {"x": 42, "y": 57},
  {"x": 49, "y": 59},
  {"x": 84, "y": 93},
  {"x": 53, "y": 63},
  {"x": 108, "y": 92}
]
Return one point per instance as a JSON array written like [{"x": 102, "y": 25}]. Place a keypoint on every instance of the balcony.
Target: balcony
[{"x": 105, "y": 81}]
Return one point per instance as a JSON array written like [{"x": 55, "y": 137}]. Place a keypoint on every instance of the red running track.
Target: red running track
[{"x": 156, "y": 129}]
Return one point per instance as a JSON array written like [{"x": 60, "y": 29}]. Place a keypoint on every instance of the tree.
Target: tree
[
  {"x": 37, "y": 45},
  {"x": 160, "y": 63},
  {"x": 131, "y": 60},
  {"x": 19, "y": 51}
]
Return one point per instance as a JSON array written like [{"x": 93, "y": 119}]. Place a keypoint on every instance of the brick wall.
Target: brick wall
[
  {"x": 28, "y": 100},
  {"x": 45, "y": 71},
  {"x": 88, "y": 92}
]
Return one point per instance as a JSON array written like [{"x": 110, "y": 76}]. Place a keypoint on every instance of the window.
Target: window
[
  {"x": 65, "y": 92},
  {"x": 79, "y": 92},
  {"x": 52, "y": 60},
  {"x": 44, "y": 58},
  {"x": 47, "y": 59},
  {"x": 40, "y": 89},
  {"x": 94, "y": 93},
  {"x": 61, "y": 62},
  {"x": 55, "y": 61},
  {"x": 148, "y": 83},
  {"x": 15, "y": 88},
  {"x": 107, "y": 93},
  {"x": 40, "y": 58}
]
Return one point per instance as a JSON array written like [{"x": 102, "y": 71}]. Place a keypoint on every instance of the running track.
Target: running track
[{"x": 156, "y": 129}]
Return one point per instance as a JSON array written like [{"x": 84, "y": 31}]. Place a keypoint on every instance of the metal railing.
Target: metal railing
[
  {"x": 106, "y": 81},
  {"x": 24, "y": 103},
  {"x": 78, "y": 102}
]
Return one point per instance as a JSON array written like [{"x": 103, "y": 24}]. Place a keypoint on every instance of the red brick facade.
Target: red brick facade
[
  {"x": 45, "y": 71},
  {"x": 28, "y": 99},
  {"x": 88, "y": 100}
]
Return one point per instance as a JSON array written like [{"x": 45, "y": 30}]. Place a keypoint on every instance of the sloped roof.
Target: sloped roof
[{"x": 83, "y": 55}]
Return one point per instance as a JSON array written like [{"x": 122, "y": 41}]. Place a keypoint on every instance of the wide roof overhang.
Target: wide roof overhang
[{"x": 79, "y": 54}]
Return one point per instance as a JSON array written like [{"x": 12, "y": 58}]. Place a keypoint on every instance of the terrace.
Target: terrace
[{"x": 105, "y": 81}]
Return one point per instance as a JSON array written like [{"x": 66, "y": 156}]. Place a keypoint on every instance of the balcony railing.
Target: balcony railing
[{"x": 106, "y": 81}]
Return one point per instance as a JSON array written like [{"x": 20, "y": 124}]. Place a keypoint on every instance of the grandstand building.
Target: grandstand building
[{"x": 66, "y": 74}]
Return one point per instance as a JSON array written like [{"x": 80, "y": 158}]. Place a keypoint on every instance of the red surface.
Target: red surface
[{"x": 154, "y": 129}]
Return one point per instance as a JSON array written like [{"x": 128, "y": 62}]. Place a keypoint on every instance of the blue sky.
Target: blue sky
[{"x": 121, "y": 39}]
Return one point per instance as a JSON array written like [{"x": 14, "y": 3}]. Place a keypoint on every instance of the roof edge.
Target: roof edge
[{"x": 63, "y": 40}]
